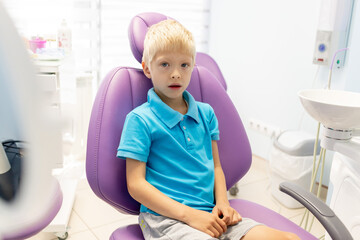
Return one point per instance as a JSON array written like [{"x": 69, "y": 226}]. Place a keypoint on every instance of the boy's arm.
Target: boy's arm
[
  {"x": 222, "y": 208},
  {"x": 145, "y": 193}
]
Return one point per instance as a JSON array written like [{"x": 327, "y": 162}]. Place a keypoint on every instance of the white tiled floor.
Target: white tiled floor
[{"x": 93, "y": 219}]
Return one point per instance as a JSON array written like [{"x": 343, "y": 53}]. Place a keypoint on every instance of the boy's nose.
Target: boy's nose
[{"x": 175, "y": 74}]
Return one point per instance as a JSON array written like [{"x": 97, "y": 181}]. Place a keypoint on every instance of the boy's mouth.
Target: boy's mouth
[{"x": 175, "y": 86}]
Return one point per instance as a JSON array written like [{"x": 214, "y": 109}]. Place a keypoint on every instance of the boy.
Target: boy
[{"x": 172, "y": 162}]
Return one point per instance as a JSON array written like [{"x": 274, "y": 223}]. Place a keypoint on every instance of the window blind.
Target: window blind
[{"x": 116, "y": 16}]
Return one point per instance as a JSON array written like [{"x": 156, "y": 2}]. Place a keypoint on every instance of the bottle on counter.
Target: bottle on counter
[{"x": 64, "y": 37}]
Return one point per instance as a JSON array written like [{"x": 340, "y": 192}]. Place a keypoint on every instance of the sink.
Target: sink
[{"x": 335, "y": 109}]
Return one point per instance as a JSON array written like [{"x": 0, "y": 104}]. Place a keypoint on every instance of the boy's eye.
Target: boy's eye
[
  {"x": 164, "y": 64},
  {"x": 184, "y": 65}
]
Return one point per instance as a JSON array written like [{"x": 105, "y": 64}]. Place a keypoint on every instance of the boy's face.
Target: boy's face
[{"x": 170, "y": 72}]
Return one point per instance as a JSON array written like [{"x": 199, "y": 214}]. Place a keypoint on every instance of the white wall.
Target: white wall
[{"x": 264, "y": 49}]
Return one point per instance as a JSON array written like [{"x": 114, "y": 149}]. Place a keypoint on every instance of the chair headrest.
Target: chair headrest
[{"x": 138, "y": 28}]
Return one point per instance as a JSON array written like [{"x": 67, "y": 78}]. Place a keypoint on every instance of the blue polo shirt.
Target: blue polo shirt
[{"x": 176, "y": 148}]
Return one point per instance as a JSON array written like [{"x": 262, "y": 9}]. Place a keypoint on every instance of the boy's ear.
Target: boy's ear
[{"x": 146, "y": 70}]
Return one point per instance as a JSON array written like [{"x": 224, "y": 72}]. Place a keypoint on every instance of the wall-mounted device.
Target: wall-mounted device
[{"x": 333, "y": 31}]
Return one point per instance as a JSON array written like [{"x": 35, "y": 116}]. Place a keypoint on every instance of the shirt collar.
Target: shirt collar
[{"x": 168, "y": 115}]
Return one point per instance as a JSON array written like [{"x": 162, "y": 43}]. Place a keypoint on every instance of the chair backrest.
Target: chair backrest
[{"x": 125, "y": 88}]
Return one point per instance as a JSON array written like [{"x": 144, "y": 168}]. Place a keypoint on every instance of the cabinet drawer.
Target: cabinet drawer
[{"x": 48, "y": 82}]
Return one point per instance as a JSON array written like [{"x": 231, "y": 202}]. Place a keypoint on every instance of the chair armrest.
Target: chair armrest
[{"x": 321, "y": 211}]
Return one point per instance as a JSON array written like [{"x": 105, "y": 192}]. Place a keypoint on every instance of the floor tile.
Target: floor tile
[
  {"x": 290, "y": 212},
  {"x": 323, "y": 192},
  {"x": 317, "y": 229},
  {"x": 87, "y": 235},
  {"x": 83, "y": 184},
  {"x": 43, "y": 236},
  {"x": 259, "y": 193},
  {"x": 257, "y": 172},
  {"x": 260, "y": 163},
  {"x": 76, "y": 224},
  {"x": 93, "y": 211}
]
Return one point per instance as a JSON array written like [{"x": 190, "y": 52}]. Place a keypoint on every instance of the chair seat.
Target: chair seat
[
  {"x": 245, "y": 208},
  {"x": 129, "y": 232},
  {"x": 268, "y": 217}
]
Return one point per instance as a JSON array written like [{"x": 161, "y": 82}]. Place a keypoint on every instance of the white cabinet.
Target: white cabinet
[
  {"x": 58, "y": 84},
  {"x": 48, "y": 75}
]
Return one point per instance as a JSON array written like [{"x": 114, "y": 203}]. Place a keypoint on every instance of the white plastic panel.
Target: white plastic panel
[{"x": 346, "y": 195}]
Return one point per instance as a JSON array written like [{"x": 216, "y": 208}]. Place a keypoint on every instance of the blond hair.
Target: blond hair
[{"x": 168, "y": 35}]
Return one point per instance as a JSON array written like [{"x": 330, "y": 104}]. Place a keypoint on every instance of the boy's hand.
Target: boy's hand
[
  {"x": 229, "y": 215},
  {"x": 206, "y": 222}
]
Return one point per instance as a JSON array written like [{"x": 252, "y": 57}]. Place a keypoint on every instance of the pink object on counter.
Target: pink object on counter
[{"x": 35, "y": 44}]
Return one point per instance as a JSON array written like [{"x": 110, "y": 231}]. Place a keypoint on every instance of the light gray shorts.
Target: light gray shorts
[{"x": 164, "y": 228}]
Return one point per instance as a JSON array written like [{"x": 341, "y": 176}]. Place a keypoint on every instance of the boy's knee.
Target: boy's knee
[{"x": 291, "y": 236}]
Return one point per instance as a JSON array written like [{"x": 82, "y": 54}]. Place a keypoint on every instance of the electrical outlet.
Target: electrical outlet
[{"x": 264, "y": 128}]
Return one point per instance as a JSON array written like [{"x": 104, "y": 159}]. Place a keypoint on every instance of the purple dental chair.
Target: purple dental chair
[{"x": 125, "y": 88}]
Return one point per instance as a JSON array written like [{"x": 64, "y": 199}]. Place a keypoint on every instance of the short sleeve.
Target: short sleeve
[
  {"x": 213, "y": 125},
  {"x": 135, "y": 139}
]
